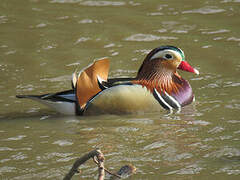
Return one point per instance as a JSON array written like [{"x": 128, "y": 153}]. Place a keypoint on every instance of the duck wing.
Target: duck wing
[{"x": 87, "y": 83}]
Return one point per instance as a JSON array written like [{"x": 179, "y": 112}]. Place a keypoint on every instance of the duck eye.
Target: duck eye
[{"x": 168, "y": 56}]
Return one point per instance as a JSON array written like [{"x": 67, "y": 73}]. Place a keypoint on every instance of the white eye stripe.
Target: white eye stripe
[{"x": 162, "y": 54}]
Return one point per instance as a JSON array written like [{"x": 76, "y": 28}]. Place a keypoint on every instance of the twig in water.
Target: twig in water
[
  {"x": 100, "y": 162},
  {"x": 81, "y": 161},
  {"x": 98, "y": 158},
  {"x": 109, "y": 172},
  {"x": 124, "y": 171}
]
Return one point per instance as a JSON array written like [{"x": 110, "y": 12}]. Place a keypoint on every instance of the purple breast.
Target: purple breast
[{"x": 185, "y": 94}]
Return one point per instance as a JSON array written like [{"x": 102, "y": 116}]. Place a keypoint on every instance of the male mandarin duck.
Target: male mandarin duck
[{"x": 157, "y": 86}]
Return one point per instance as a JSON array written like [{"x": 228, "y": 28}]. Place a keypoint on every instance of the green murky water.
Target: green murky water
[{"x": 43, "y": 41}]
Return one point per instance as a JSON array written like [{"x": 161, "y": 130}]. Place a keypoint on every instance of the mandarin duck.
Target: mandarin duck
[{"x": 157, "y": 86}]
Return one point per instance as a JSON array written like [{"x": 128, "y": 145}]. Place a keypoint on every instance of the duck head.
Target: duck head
[{"x": 159, "y": 69}]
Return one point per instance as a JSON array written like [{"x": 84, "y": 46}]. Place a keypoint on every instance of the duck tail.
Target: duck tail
[{"x": 29, "y": 96}]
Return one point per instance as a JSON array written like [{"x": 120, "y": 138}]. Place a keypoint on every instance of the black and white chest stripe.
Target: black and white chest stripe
[{"x": 166, "y": 101}]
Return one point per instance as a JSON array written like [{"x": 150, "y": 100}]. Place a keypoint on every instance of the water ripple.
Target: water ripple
[
  {"x": 233, "y": 39},
  {"x": 231, "y": 84},
  {"x": 229, "y": 170},
  {"x": 199, "y": 122},
  {"x": 184, "y": 156},
  {"x": 190, "y": 169},
  {"x": 205, "y": 10},
  {"x": 19, "y": 156},
  {"x": 232, "y": 106},
  {"x": 3, "y": 19},
  {"x": 148, "y": 37},
  {"x": 114, "y": 53},
  {"x": 141, "y": 121},
  {"x": 63, "y": 143},
  {"x": 143, "y": 51},
  {"x": 102, "y": 3},
  {"x": 216, "y": 130},
  {"x": 155, "y": 145},
  {"x": 227, "y": 152},
  {"x": 234, "y": 121},
  {"x": 6, "y": 169},
  {"x": 89, "y": 21},
  {"x": 109, "y": 45},
  {"x": 65, "y": 1},
  {"x": 122, "y": 72},
  {"x": 206, "y": 46},
  {"x": 17, "y": 138},
  {"x": 41, "y": 25},
  {"x": 82, "y": 39},
  {"x": 228, "y": 1},
  {"x": 217, "y": 31},
  {"x": 126, "y": 129},
  {"x": 57, "y": 79},
  {"x": 6, "y": 149},
  {"x": 66, "y": 159},
  {"x": 48, "y": 156}
]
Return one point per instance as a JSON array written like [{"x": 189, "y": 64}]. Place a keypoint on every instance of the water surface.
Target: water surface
[{"x": 43, "y": 42}]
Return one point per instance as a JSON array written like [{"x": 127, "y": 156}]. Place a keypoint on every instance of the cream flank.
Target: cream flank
[{"x": 123, "y": 99}]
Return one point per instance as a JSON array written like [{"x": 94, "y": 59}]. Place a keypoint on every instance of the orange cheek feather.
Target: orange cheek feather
[
  {"x": 170, "y": 64},
  {"x": 160, "y": 81}
]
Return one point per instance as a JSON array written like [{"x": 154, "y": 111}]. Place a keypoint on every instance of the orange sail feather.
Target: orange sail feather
[{"x": 87, "y": 84}]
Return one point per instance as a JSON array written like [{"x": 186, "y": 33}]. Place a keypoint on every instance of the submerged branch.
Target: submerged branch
[
  {"x": 81, "y": 161},
  {"x": 124, "y": 171},
  {"x": 98, "y": 158}
]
